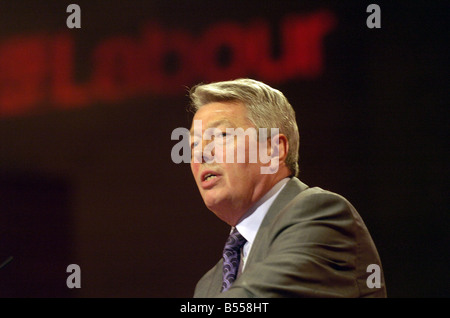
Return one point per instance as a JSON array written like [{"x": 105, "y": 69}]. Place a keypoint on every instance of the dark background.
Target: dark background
[{"x": 96, "y": 186}]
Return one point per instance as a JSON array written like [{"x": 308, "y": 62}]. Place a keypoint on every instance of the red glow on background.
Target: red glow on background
[{"x": 39, "y": 69}]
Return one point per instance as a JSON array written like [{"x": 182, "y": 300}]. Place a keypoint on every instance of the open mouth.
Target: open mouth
[{"x": 209, "y": 176}]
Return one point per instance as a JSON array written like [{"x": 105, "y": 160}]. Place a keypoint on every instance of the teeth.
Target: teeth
[{"x": 209, "y": 176}]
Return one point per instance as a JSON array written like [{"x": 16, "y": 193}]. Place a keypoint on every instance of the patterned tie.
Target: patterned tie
[{"x": 231, "y": 258}]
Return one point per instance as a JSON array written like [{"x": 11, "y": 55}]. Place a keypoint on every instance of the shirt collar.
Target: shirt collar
[{"x": 249, "y": 225}]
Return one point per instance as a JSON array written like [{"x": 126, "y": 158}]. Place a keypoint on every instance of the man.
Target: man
[{"x": 287, "y": 239}]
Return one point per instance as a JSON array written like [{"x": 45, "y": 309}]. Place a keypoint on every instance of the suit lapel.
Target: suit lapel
[{"x": 290, "y": 191}]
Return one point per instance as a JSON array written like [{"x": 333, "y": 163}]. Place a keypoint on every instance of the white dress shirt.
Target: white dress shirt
[{"x": 249, "y": 225}]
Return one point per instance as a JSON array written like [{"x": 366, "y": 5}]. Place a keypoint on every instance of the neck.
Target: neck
[{"x": 262, "y": 191}]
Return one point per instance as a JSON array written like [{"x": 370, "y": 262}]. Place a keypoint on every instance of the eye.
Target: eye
[
  {"x": 221, "y": 133},
  {"x": 221, "y": 136},
  {"x": 194, "y": 142},
  {"x": 194, "y": 145}
]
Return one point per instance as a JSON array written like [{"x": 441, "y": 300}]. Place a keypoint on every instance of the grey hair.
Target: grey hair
[{"x": 267, "y": 108}]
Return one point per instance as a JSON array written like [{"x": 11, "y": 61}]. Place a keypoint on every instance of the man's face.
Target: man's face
[{"x": 228, "y": 189}]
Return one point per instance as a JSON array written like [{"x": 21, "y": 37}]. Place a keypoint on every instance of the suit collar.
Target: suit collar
[
  {"x": 292, "y": 188},
  {"x": 248, "y": 226}
]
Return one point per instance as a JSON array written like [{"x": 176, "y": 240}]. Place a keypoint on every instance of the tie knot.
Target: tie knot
[{"x": 235, "y": 241}]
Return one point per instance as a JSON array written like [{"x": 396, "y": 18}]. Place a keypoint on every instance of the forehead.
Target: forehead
[
  {"x": 226, "y": 109},
  {"x": 218, "y": 113}
]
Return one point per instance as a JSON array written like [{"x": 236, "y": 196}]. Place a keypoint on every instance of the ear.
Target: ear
[{"x": 279, "y": 147}]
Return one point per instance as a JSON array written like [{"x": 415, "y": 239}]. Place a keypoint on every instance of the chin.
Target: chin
[
  {"x": 213, "y": 203},
  {"x": 210, "y": 195}
]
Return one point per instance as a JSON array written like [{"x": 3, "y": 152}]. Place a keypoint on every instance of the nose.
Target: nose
[
  {"x": 200, "y": 155},
  {"x": 208, "y": 155}
]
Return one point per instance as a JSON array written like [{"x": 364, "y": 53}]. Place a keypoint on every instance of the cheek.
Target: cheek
[
  {"x": 194, "y": 168},
  {"x": 236, "y": 174},
  {"x": 240, "y": 149}
]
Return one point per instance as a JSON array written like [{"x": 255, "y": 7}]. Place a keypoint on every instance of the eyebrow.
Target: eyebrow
[{"x": 216, "y": 123}]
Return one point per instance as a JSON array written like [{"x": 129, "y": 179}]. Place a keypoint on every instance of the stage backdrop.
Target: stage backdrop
[{"x": 90, "y": 94}]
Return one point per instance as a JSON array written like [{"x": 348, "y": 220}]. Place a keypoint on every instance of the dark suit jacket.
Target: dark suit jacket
[{"x": 311, "y": 243}]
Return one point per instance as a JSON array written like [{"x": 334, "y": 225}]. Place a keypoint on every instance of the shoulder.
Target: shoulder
[
  {"x": 314, "y": 212},
  {"x": 314, "y": 203}
]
